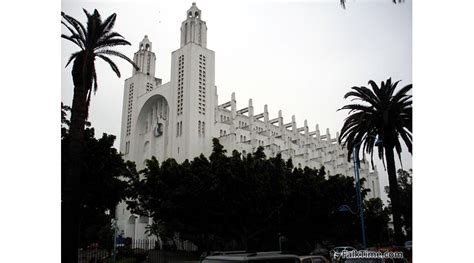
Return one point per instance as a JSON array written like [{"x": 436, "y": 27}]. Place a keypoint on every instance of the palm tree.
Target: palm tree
[
  {"x": 384, "y": 116},
  {"x": 95, "y": 40}
]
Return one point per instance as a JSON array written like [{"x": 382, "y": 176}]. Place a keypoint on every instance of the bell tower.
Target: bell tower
[
  {"x": 145, "y": 58},
  {"x": 193, "y": 29},
  {"x": 193, "y": 91}
]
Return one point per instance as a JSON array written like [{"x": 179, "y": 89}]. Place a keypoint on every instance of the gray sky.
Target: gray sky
[{"x": 297, "y": 56}]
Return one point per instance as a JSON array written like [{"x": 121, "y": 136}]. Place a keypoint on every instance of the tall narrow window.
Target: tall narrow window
[
  {"x": 127, "y": 147},
  {"x": 199, "y": 128},
  {"x": 129, "y": 111},
  {"x": 203, "y": 126}
]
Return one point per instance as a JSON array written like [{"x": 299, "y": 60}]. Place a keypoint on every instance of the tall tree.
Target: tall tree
[
  {"x": 386, "y": 116},
  {"x": 105, "y": 181},
  {"x": 94, "y": 40}
]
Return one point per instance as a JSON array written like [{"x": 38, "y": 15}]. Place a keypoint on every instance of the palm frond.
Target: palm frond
[
  {"x": 388, "y": 116},
  {"x": 364, "y": 94},
  {"x": 402, "y": 93},
  {"x": 357, "y": 107},
  {"x": 78, "y": 26},
  {"x": 109, "y": 35},
  {"x": 94, "y": 79},
  {"x": 111, "y": 63},
  {"x": 76, "y": 35},
  {"x": 108, "y": 23},
  {"x": 73, "y": 40},
  {"x": 118, "y": 54},
  {"x": 111, "y": 43},
  {"x": 73, "y": 56}
]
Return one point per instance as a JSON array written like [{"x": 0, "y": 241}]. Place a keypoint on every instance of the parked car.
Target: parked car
[
  {"x": 313, "y": 259},
  {"x": 321, "y": 252},
  {"x": 259, "y": 257}
]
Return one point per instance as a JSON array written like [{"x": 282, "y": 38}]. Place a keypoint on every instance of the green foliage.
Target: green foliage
[
  {"x": 105, "y": 180},
  {"x": 404, "y": 179},
  {"x": 245, "y": 202},
  {"x": 376, "y": 218}
]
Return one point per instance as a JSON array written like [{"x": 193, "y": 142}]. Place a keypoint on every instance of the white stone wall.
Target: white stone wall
[{"x": 245, "y": 131}]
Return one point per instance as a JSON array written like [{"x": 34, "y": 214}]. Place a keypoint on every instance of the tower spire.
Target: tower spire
[
  {"x": 145, "y": 58},
  {"x": 193, "y": 29}
]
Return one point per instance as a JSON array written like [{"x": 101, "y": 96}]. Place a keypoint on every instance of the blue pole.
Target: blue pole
[{"x": 358, "y": 194}]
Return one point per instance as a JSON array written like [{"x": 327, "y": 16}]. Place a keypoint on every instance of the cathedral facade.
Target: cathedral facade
[{"x": 178, "y": 119}]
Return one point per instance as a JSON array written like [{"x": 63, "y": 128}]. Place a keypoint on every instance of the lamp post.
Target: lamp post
[
  {"x": 358, "y": 193},
  {"x": 355, "y": 156}
]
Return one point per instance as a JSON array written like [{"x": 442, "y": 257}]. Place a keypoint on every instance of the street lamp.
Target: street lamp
[
  {"x": 358, "y": 192},
  {"x": 355, "y": 156}
]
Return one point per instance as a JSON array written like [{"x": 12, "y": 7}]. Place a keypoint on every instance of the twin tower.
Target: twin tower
[
  {"x": 173, "y": 119},
  {"x": 178, "y": 119}
]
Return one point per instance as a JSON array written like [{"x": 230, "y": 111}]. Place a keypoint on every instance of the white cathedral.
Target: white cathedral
[{"x": 178, "y": 119}]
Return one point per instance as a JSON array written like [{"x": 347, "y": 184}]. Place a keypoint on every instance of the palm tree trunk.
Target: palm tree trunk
[
  {"x": 71, "y": 191},
  {"x": 394, "y": 194}
]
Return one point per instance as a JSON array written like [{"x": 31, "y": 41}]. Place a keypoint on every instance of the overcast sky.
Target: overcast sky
[{"x": 297, "y": 56}]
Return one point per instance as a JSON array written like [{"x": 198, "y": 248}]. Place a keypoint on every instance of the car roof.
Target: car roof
[
  {"x": 311, "y": 256},
  {"x": 246, "y": 256}
]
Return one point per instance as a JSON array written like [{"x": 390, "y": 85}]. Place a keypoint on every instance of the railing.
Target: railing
[{"x": 150, "y": 251}]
